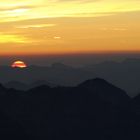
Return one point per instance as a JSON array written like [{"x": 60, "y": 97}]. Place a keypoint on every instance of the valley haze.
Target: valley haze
[{"x": 125, "y": 74}]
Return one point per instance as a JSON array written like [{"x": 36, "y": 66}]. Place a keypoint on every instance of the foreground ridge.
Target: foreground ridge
[{"x": 95, "y": 109}]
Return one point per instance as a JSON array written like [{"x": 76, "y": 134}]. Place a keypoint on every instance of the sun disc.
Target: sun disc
[{"x": 19, "y": 64}]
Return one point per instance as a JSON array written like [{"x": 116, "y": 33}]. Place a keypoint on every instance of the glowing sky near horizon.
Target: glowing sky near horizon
[{"x": 68, "y": 26}]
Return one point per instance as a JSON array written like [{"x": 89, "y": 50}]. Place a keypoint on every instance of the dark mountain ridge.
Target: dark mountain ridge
[
  {"x": 87, "y": 111},
  {"x": 113, "y": 94}
]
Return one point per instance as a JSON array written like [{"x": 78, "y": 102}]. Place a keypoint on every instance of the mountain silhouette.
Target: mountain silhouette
[
  {"x": 41, "y": 82},
  {"x": 124, "y": 74},
  {"x": 9, "y": 126},
  {"x": 129, "y": 122},
  {"x": 94, "y": 109},
  {"x": 16, "y": 85},
  {"x": 2, "y": 88},
  {"x": 60, "y": 66},
  {"x": 59, "y": 74},
  {"x": 24, "y": 86},
  {"x": 105, "y": 90}
]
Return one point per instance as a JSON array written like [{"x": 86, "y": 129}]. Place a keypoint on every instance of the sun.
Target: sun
[{"x": 19, "y": 64}]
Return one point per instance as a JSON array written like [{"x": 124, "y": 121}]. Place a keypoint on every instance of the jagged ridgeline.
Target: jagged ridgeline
[{"x": 95, "y": 109}]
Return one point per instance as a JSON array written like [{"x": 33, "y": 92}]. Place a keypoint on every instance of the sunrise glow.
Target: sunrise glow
[{"x": 66, "y": 27}]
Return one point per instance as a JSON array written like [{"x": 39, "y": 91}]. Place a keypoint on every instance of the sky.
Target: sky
[{"x": 49, "y": 27}]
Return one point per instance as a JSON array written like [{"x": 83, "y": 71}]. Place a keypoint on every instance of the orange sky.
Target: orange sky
[{"x": 68, "y": 26}]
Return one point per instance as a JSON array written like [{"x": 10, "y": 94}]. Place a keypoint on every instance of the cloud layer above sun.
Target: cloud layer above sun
[
  {"x": 68, "y": 26},
  {"x": 23, "y": 9}
]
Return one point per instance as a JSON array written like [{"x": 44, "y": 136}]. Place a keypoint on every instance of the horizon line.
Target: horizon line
[{"x": 74, "y": 53}]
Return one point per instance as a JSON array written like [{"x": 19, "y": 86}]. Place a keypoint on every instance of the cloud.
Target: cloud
[
  {"x": 36, "y": 26},
  {"x": 57, "y": 37},
  {"x": 64, "y": 8},
  {"x": 5, "y": 38},
  {"x": 15, "y": 8}
]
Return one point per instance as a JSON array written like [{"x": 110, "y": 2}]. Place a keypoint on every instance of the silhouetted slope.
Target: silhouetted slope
[
  {"x": 9, "y": 126},
  {"x": 129, "y": 123},
  {"x": 24, "y": 86},
  {"x": 16, "y": 85},
  {"x": 40, "y": 83},
  {"x": 10, "y": 129},
  {"x": 91, "y": 110},
  {"x": 134, "y": 105},
  {"x": 105, "y": 90},
  {"x": 2, "y": 89}
]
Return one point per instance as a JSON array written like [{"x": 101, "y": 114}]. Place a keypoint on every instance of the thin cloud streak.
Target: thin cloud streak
[
  {"x": 65, "y": 8},
  {"x": 36, "y": 26}
]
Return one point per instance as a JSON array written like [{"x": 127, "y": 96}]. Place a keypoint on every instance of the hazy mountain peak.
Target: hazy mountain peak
[
  {"x": 131, "y": 60},
  {"x": 93, "y": 82},
  {"x": 40, "y": 83},
  {"x": 60, "y": 65},
  {"x": 16, "y": 85}
]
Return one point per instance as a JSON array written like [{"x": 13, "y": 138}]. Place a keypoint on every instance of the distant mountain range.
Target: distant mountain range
[
  {"x": 22, "y": 86},
  {"x": 94, "y": 109},
  {"x": 125, "y": 75}
]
